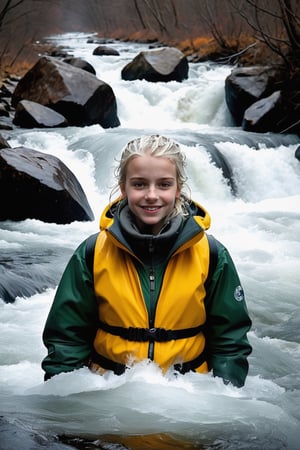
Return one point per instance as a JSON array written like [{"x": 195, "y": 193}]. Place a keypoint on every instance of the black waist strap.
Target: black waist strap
[
  {"x": 119, "y": 368},
  {"x": 191, "y": 365},
  {"x": 107, "y": 364},
  {"x": 149, "y": 334}
]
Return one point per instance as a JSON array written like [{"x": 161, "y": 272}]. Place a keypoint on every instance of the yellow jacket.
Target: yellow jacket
[
  {"x": 179, "y": 303},
  {"x": 163, "y": 289}
]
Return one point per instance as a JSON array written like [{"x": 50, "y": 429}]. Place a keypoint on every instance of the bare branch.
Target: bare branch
[
  {"x": 276, "y": 24},
  {"x": 234, "y": 57},
  {"x": 155, "y": 12},
  {"x": 139, "y": 13}
]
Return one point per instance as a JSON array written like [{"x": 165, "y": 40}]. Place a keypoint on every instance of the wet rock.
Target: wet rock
[
  {"x": 160, "y": 64},
  {"x": 8, "y": 86},
  {"x": 104, "y": 50},
  {"x": 25, "y": 272},
  {"x": 3, "y": 110},
  {"x": 58, "y": 52},
  {"x": 81, "y": 64},
  {"x": 3, "y": 142},
  {"x": 6, "y": 111},
  {"x": 246, "y": 85},
  {"x": 13, "y": 285},
  {"x": 39, "y": 186},
  {"x": 33, "y": 115},
  {"x": 74, "y": 93},
  {"x": 276, "y": 113},
  {"x": 6, "y": 125},
  {"x": 263, "y": 115},
  {"x": 100, "y": 41},
  {"x": 15, "y": 436}
]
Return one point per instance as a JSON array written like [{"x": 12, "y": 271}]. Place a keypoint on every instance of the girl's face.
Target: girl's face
[{"x": 151, "y": 189}]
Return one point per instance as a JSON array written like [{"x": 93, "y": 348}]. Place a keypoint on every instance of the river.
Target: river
[{"x": 260, "y": 225}]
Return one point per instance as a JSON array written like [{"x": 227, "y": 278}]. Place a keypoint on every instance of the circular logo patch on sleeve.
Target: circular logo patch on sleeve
[{"x": 239, "y": 294}]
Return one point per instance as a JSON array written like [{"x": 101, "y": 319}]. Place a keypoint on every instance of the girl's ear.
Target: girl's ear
[{"x": 122, "y": 189}]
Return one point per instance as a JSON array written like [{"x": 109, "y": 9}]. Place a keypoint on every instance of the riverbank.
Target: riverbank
[{"x": 202, "y": 48}]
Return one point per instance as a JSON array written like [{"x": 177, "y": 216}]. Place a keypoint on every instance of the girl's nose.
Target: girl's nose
[{"x": 151, "y": 193}]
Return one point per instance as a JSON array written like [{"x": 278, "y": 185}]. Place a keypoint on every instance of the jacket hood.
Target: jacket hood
[
  {"x": 195, "y": 211},
  {"x": 199, "y": 213}
]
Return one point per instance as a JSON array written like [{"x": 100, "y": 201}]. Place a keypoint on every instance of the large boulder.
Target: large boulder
[
  {"x": 246, "y": 85},
  {"x": 159, "y": 64},
  {"x": 102, "y": 50},
  {"x": 76, "y": 94},
  {"x": 39, "y": 186},
  {"x": 33, "y": 115}
]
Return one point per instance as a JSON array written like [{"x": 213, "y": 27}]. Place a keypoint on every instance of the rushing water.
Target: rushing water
[{"x": 259, "y": 224}]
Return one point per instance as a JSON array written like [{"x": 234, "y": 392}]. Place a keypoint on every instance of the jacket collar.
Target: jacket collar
[{"x": 118, "y": 220}]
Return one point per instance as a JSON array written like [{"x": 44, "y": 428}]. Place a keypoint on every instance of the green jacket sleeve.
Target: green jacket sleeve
[
  {"x": 227, "y": 323},
  {"x": 72, "y": 321}
]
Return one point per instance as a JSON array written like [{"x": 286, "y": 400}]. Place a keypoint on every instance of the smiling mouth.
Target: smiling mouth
[{"x": 151, "y": 208}]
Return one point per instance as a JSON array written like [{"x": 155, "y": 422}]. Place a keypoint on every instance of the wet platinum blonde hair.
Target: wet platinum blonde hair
[{"x": 159, "y": 147}]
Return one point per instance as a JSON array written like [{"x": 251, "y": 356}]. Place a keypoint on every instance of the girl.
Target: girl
[{"x": 148, "y": 294}]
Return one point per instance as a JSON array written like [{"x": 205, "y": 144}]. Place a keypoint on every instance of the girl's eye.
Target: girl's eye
[{"x": 144, "y": 184}]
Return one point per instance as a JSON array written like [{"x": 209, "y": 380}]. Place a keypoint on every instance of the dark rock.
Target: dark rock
[
  {"x": 16, "y": 436},
  {"x": 39, "y": 186},
  {"x": 162, "y": 64},
  {"x": 246, "y": 85},
  {"x": 13, "y": 285},
  {"x": 277, "y": 113},
  {"x": 33, "y": 115},
  {"x": 100, "y": 41},
  {"x": 28, "y": 271},
  {"x": 3, "y": 142},
  {"x": 297, "y": 153},
  {"x": 222, "y": 163},
  {"x": 58, "y": 53},
  {"x": 6, "y": 104},
  {"x": 104, "y": 50},
  {"x": 6, "y": 125},
  {"x": 3, "y": 111},
  {"x": 290, "y": 115},
  {"x": 79, "y": 96},
  {"x": 6, "y": 90},
  {"x": 81, "y": 64},
  {"x": 8, "y": 87},
  {"x": 263, "y": 115}
]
